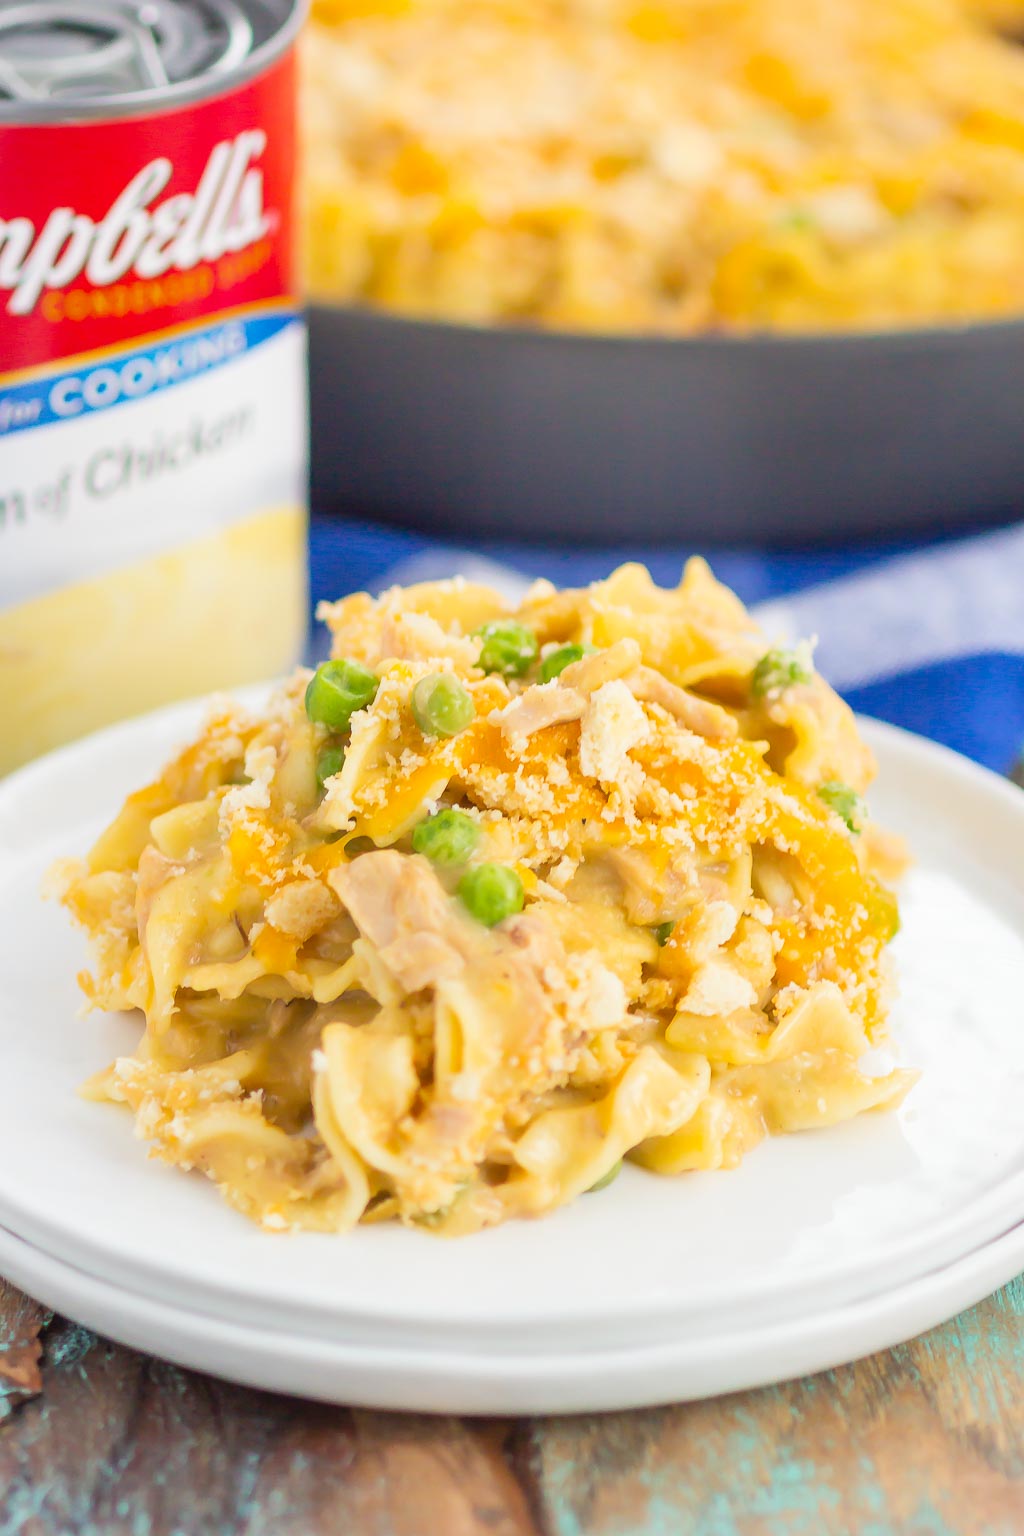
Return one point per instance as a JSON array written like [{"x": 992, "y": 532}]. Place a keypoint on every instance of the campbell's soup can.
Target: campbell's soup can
[{"x": 153, "y": 436}]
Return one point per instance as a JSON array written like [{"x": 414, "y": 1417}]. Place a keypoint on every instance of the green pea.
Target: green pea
[
  {"x": 491, "y": 892},
  {"x": 448, "y": 837},
  {"x": 606, "y": 1178},
  {"x": 441, "y": 706},
  {"x": 781, "y": 669},
  {"x": 508, "y": 647},
  {"x": 337, "y": 690},
  {"x": 555, "y": 662},
  {"x": 663, "y": 932},
  {"x": 328, "y": 764},
  {"x": 846, "y": 803}
]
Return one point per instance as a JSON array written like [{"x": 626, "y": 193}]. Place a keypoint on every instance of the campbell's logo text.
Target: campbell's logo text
[{"x": 139, "y": 234}]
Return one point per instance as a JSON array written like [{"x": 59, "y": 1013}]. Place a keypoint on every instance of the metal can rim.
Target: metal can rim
[{"x": 153, "y": 102}]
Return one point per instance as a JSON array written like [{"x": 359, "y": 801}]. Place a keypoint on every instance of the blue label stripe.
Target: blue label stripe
[{"x": 135, "y": 373}]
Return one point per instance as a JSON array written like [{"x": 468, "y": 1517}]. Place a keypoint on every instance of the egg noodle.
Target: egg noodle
[
  {"x": 494, "y": 900},
  {"x": 674, "y": 166}
]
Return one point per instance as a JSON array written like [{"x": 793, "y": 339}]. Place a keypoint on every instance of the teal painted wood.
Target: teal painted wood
[
  {"x": 927, "y": 1438},
  {"x": 923, "y": 1440}
]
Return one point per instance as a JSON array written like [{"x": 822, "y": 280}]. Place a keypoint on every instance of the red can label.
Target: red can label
[{"x": 114, "y": 230}]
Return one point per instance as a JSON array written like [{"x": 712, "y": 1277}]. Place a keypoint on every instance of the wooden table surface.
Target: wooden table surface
[{"x": 926, "y": 1439}]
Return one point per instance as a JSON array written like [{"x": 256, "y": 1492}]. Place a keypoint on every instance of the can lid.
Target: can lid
[{"x": 55, "y": 54}]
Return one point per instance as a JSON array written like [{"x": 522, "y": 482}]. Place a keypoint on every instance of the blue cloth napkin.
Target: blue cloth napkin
[{"x": 930, "y": 636}]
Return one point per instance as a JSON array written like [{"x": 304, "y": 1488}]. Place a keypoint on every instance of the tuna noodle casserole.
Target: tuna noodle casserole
[
  {"x": 494, "y": 900},
  {"x": 674, "y": 166}
]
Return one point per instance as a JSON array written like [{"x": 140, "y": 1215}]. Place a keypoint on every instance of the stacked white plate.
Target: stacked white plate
[{"x": 820, "y": 1248}]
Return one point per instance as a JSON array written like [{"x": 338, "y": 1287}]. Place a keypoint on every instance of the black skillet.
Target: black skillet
[{"x": 550, "y": 435}]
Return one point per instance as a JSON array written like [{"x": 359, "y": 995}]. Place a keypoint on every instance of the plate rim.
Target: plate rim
[{"x": 475, "y": 1383}]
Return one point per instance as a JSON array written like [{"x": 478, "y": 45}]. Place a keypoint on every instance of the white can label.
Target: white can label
[{"x": 105, "y": 463}]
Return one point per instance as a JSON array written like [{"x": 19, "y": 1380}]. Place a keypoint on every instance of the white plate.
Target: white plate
[
  {"x": 474, "y": 1381},
  {"x": 808, "y": 1222}
]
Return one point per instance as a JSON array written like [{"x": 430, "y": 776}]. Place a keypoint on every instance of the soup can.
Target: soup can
[{"x": 153, "y": 412}]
